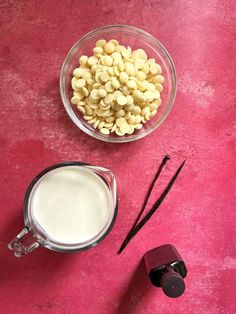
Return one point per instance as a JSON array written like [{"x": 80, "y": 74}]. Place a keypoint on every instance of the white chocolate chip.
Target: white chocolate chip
[
  {"x": 114, "y": 41},
  {"x": 138, "y": 126},
  {"x": 149, "y": 96},
  {"x": 145, "y": 69},
  {"x": 120, "y": 121},
  {"x": 120, "y": 113},
  {"x": 121, "y": 100},
  {"x": 154, "y": 68},
  {"x": 159, "y": 87},
  {"x": 131, "y": 129},
  {"x": 138, "y": 119},
  {"x": 141, "y": 86},
  {"x": 119, "y": 133},
  {"x": 113, "y": 128},
  {"x": 101, "y": 43},
  {"x": 88, "y": 117},
  {"x": 108, "y": 125},
  {"x": 101, "y": 125},
  {"x": 98, "y": 50},
  {"x": 145, "y": 110},
  {"x": 104, "y": 76},
  {"x": 79, "y": 94},
  {"x": 129, "y": 68},
  {"x": 115, "y": 83},
  {"x": 78, "y": 72},
  {"x": 116, "y": 56},
  {"x": 139, "y": 63},
  {"x": 153, "y": 113},
  {"x": 94, "y": 94},
  {"x": 131, "y": 84},
  {"x": 119, "y": 48},
  {"x": 153, "y": 106},
  {"x": 116, "y": 70},
  {"x": 142, "y": 54},
  {"x": 75, "y": 100},
  {"x": 126, "y": 91},
  {"x": 108, "y": 61},
  {"x": 92, "y": 121},
  {"x": 89, "y": 111},
  {"x": 132, "y": 119},
  {"x": 86, "y": 75},
  {"x": 130, "y": 100},
  {"x": 92, "y": 60},
  {"x": 109, "y": 98},
  {"x": 110, "y": 119},
  {"x": 109, "y": 47},
  {"x": 80, "y": 83},
  {"x": 124, "y": 77},
  {"x": 110, "y": 71},
  {"x": 96, "y": 123},
  {"x": 141, "y": 76},
  {"x": 124, "y": 127},
  {"x": 126, "y": 53},
  {"x": 127, "y": 115},
  {"x": 83, "y": 60},
  {"x": 139, "y": 96},
  {"x": 108, "y": 87},
  {"x": 158, "y": 79},
  {"x": 102, "y": 93},
  {"x": 121, "y": 65},
  {"x": 85, "y": 91},
  {"x": 81, "y": 109},
  {"x": 104, "y": 131}
]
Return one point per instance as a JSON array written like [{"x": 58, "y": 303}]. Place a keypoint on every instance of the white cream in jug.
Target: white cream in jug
[{"x": 71, "y": 204}]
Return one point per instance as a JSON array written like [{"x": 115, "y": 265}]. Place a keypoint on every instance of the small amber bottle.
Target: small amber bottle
[{"x": 166, "y": 269}]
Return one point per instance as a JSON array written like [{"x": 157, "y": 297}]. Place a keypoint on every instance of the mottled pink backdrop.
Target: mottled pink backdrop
[{"x": 198, "y": 215}]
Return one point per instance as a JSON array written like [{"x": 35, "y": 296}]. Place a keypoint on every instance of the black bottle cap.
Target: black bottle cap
[{"x": 172, "y": 283}]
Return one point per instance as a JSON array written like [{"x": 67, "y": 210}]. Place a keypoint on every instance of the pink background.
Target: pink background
[{"x": 198, "y": 215}]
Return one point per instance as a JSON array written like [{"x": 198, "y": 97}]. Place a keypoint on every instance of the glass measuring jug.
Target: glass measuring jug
[{"x": 68, "y": 207}]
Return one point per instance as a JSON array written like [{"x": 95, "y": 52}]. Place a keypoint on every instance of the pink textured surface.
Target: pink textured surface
[{"x": 198, "y": 215}]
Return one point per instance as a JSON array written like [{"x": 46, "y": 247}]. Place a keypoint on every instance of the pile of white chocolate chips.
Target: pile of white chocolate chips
[{"x": 117, "y": 89}]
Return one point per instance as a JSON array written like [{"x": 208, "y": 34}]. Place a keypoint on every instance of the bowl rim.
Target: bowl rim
[{"x": 132, "y": 137}]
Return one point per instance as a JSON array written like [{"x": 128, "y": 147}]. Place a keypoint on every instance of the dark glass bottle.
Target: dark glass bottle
[{"x": 166, "y": 269}]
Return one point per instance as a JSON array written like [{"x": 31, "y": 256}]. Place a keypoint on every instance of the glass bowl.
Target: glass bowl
[{"x": 127, "y": 36}]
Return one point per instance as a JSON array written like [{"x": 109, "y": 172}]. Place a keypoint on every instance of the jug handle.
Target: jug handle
[{"x": 18, "y": 247}]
